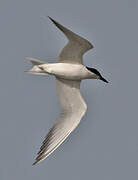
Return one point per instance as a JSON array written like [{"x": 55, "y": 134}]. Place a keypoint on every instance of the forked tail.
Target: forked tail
[{"x": 35, "y": 69}]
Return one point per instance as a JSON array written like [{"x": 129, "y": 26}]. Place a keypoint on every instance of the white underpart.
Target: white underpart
[
  {"x": 68, "y": 71},
  {"x": 36, "y": 70}
]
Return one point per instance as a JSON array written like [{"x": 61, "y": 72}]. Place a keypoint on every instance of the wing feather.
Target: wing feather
[
  {"x": 73, "y": 108},
  {"x": 75, "y": 48}
]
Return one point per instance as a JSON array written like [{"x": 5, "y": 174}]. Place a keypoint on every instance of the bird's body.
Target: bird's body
[{"x": 69, "y": 71}]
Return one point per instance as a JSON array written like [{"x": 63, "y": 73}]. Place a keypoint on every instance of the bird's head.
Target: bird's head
[{"x": 97, "y": 74}]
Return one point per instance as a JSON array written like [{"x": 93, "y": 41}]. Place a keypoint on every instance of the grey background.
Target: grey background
[{"x": 104, "y": 146}]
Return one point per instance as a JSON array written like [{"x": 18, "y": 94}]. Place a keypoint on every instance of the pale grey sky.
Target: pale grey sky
[{"x": 104, "y": 146}]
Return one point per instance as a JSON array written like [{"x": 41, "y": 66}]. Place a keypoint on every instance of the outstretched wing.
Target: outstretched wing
[
  {"x": 73, "y": 108},
  {"x": 75, "y": 48}
]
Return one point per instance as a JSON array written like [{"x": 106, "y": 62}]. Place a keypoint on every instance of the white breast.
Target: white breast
[{"x": 67, "y": 71}]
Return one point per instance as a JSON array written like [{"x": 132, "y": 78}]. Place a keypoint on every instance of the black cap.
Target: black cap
[{"x": 96, "y": 72}]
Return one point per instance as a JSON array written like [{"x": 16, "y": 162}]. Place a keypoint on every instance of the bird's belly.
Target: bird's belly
[{"x": 67, "y": 71}]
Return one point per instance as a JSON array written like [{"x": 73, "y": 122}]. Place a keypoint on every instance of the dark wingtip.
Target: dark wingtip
[
  {"x": 49, "y": 17},
  {"x": 52, "y": 19},
  {"x": 34, "y": 163}
]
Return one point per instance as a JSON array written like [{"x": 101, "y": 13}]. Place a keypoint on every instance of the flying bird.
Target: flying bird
[{"x": 69, "y": 71}]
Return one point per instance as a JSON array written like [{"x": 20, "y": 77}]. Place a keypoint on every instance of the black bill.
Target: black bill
[{"x": 103, "y": 79}]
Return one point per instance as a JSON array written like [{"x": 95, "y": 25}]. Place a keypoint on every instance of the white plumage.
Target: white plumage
[{"x": 69, "y": 71}]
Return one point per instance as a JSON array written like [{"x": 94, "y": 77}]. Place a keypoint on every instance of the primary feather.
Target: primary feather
[
  {"x": 75, "y": 48},
  {"x": 73, "y": 108}
]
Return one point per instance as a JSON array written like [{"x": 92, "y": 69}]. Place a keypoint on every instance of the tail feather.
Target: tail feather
[
  {"x": 35, "y": 69},
  {"x": 35, "y": 61}
]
